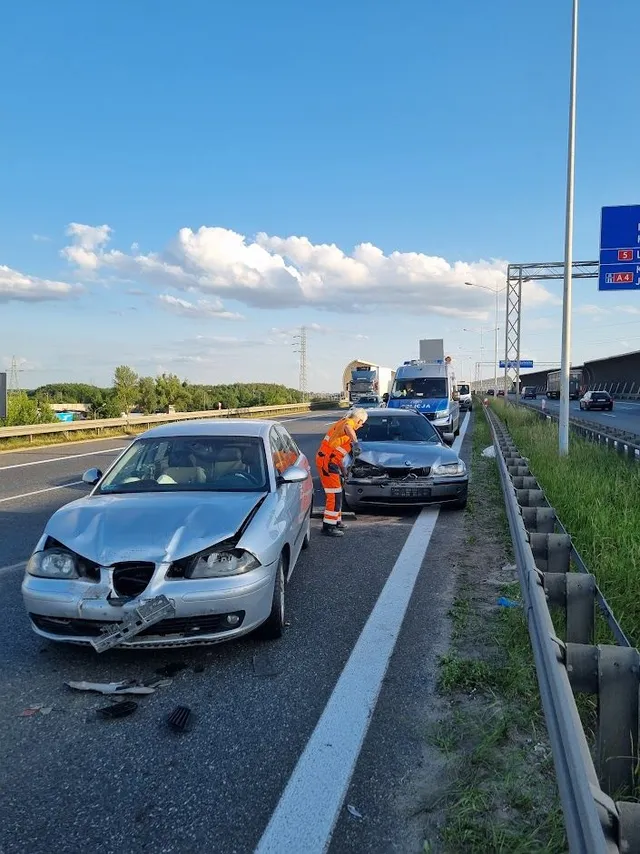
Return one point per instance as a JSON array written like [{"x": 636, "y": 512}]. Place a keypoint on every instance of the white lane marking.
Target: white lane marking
[
  {"x": 306, "y": 814},
  {"x": 13, "y": 567},
  {"x": 40, "y": 491},
  {"x": 61, "y": 459}
]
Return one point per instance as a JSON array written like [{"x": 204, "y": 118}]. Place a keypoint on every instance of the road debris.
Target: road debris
[
  {"x": 27, "y": 713},
  {"x": 180, "y": 718},
  {"x": 489, "y": 452},
  {"x": 130, "y": 687},
  {"x": 354, "y": 812},
  {"x": 117, "y": 710},
  {"x": 172, "y": 668},
  {"x": 141, "y": 617},
  {"x": 508, "y": 603}
]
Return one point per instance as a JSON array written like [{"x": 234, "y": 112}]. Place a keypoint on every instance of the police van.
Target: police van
[{"x": 429, "y": 387}]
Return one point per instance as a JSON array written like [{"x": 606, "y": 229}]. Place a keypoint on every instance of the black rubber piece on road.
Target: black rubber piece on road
[
  {"x": 118, "y": 710},
  {"x": 180, "y": 718}
]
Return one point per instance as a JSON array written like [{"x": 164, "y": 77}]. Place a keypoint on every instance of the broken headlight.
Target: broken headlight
[
  {"x": 219, "y": 562},
  {"x": 362, "y": 469},
  {"x": 53, "y": 563},
  {"x": 449, "y": 469}
]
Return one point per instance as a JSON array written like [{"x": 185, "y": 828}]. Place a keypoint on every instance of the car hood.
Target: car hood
[
  {"x": 406, "y": 454},
  {"x": 158, "y": 528}
]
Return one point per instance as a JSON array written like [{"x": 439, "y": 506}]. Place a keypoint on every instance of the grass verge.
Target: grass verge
[
  {"x": 596, "y": 495},
  {"x": 504, "y": 797}
]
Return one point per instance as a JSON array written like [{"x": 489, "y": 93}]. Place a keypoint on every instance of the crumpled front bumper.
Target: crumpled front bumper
[
  {"x": 395, "y": 492},
  {"x": 74, "y": 611}
]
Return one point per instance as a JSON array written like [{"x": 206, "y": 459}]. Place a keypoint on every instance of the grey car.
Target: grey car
[
  {"x": 212, "y": 515},
  {"x": 404, "y": 460}
]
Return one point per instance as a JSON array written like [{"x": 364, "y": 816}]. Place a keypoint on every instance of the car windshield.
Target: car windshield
[
  {"x": 394, "y": 428},
  {"x": 463, "y": 389},
  {"x": 425, "y": 387},
  {"x": 600, "y": 395},
  {"x": 368, "y": 400},
  {"x": 182, "y": 463}
]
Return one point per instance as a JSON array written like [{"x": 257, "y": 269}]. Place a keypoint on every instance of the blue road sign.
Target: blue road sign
[
  {"x": 620, "y": 249},
  {"x": 524, "y": 363}
]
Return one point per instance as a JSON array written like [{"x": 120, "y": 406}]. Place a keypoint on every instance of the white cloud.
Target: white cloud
[
  {"x": 591, "y": 310},
  {"x": 86, "y": 242},
  {"x": 199, "y": 310},
  {"x": 18, "y": 286},
  {"x": 292, "y": 272},
  {"x": 40, "y": 238}
]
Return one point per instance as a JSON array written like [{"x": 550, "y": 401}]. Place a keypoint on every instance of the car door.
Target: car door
[
  {"x": 288, "y": 507},
  {"x": 300, "y": 495}
]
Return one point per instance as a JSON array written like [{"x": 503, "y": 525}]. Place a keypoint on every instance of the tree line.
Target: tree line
[{"x": 131, "y": 392}]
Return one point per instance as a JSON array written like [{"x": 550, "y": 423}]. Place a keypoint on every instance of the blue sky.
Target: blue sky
[{"x": 229, "y": 146}]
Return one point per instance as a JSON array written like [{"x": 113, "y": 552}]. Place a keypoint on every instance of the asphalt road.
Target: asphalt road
[
  {"x": 273, "y": 762},
  {"x": 625, "y": 415}
]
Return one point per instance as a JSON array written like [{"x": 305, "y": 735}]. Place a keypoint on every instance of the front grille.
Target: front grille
[
  {"x": 131, "y": 579},
  {"x": 400, "y": 474},
  {"x": 186, "y": 626}
]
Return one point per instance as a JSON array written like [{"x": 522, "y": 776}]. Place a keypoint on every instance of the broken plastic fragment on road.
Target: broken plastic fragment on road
[
  {"x": 111, "y": 687},
  {"x": 489, "y": 452},
  {"x": 141, "y": 617},
  {"x": 118, "y": 710},
  {"x": 180, "y": 718},
  {"x": 508, "y": 603},
  {"x": 353, "y": 811}
]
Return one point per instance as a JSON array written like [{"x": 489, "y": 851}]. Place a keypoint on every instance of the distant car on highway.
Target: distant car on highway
[
  {"x": 464, "y": 397},
  {"x": 404, "y": 460},
  {"x": 212, "y": 515},
  {"x": 370, "y": 402},
  {"x": 530, "y": 392},
  {"x": 491, "y": 392},
  {"x": 596, "y": 400},
  {"x": 500, "y": 392}
]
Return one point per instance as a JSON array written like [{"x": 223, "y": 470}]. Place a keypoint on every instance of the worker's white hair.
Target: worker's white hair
[{"x": 359, "y": 413}]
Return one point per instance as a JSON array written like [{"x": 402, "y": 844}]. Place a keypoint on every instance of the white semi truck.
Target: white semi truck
[{"x": 364, "y": 379}]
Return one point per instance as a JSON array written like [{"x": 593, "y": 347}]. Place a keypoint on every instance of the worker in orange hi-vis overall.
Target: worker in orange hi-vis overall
[{"x": 330, "y": 459}]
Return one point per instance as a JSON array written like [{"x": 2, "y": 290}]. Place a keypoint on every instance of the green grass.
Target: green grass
[
  {"x": 503, "y": 797},
  {"x": 596, "y": 495}
]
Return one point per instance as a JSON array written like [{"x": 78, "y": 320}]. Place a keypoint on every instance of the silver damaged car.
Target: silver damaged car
[
  {"x": 212, "y": 515},
  {"x": 404, "y": 460}
]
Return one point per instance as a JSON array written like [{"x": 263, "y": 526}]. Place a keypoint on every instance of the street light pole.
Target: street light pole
[{"x": 563, "y": 447}]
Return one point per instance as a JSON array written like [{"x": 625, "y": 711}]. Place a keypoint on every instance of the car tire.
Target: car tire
[
  {"x": 307, "y": 537},
  {"x": 273, "y": 626}
]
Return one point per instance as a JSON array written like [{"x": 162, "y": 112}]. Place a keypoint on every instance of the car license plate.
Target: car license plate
[{"x": 410, "y": 492}]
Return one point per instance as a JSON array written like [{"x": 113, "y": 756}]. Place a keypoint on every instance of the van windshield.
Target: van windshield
[
  {"x": 422, "y": 387},
  {"x": 463, "y": 389}
]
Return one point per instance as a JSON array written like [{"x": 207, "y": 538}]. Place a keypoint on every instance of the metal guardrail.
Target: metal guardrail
[
  {"x": 594, "y": 821},
  {"x": 99, "y": 425}
]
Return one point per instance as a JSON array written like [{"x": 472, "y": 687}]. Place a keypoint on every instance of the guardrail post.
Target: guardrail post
[
  {"x": 524, "y": 482},
  {"x": 617, "y": 744},
  {"x": 551, "y": 552},
  {"x": 530, "y": 497},
  {"x": 538, "y": 520},
  {"x": 575, "y": 593}
]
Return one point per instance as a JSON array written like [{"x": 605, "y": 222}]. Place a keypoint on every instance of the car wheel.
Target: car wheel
[
  {"x": 273, "y": 627},
  {"x": 307, "y": 537}
]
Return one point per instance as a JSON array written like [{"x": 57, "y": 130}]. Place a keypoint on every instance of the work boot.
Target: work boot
[
  {"x": 341, "y": 526},
  {"x": 332, "y": 531}
]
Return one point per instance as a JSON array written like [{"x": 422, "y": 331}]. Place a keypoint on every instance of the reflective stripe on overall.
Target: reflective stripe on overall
[{"x": 329, "y": 460}]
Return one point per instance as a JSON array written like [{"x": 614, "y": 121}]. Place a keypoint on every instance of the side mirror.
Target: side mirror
[
  {"x": 448, "y": 438},
  {"x": 294, "y": 474},
  {"x": 92, "y": 476},
  {"x": 385, "y": 397}
]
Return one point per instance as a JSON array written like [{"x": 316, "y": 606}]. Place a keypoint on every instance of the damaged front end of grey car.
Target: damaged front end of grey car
[{"x": 405, "y": 463}]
